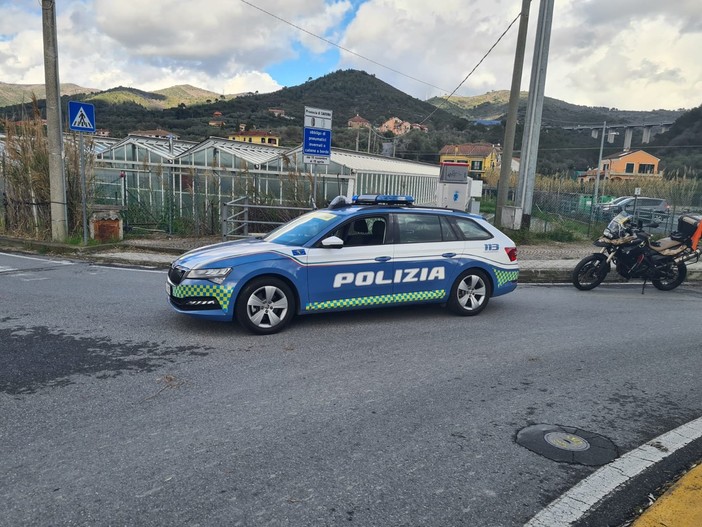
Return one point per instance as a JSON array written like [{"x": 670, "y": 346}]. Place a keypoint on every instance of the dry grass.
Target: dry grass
[
  {"x": 27, "y": 183},
  {"x": 679, "y": 190}
]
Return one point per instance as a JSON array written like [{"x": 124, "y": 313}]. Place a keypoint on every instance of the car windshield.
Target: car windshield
[{"x": 301, "y": 230}]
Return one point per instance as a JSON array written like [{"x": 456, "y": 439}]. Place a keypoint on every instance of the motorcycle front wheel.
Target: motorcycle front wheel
[
  {"x": 590, "y": 272},
  {"x": 676, "y": 274}
]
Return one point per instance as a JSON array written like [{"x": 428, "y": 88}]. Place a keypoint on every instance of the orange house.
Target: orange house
[{"x": 627, "y": 165}]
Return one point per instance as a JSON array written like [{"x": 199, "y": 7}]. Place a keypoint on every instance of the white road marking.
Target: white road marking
[
  {"x": 59, "y": 262},
  {"x": 571, "y": 506},
  {"x": 30, "y": 278},
  {"x": 4, "y": 269},
  {"x": 159, "y": 271}
]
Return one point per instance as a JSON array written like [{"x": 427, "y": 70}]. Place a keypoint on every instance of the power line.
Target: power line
[
  {"x": 341, "y": 47},
  {"x": 474, "y": 68}
]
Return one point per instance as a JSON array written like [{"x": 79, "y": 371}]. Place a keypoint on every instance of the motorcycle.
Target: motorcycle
[{"x": 634, "y": 254}]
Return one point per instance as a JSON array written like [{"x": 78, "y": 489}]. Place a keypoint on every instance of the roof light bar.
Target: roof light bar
[{"x": 376, "y": 199}]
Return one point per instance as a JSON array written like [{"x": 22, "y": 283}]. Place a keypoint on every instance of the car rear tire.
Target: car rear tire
[
  {"x": 265, "y": 305},
  {"x": 470, "y": 293}
]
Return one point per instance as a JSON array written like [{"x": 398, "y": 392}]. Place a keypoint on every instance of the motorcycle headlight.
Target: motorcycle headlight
[{"x": 213, "y": 275}]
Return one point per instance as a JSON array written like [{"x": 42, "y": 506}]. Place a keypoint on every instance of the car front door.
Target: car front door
[{"x": 356, "y": 274}]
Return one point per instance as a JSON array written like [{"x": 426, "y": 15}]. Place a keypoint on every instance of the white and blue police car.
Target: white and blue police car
[{"x": 372, "y": 251}]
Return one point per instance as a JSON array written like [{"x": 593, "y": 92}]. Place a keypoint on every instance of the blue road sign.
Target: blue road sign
[
  {"x": 81, "y": 116},
  {"x": 316, "y": 142}
]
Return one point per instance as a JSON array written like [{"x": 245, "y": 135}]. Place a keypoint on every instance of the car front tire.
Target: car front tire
[
  {"x": 265, "y": 305},
  {"x": 470, "y": 293}
]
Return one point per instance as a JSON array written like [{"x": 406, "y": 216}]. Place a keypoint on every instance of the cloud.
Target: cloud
[
  {"x": 217, "y": 34},
  {"x": 633, "y": 54},
  {"x": 437, "y": 42}
]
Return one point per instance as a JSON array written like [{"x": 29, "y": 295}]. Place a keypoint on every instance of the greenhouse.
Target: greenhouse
[{"x": 146, "y": 174}]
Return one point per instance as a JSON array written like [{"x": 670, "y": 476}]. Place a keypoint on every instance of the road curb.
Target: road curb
[{"x": 124, "y": 253}]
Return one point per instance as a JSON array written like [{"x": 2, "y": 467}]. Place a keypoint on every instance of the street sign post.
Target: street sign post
[
  {"x": 316, "y": 141},
  {"x": 316, "y": 145},
  {"x": 81, "y": 118}
]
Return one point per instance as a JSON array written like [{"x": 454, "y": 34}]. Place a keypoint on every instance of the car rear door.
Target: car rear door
[{"x": 427, "y": 256}]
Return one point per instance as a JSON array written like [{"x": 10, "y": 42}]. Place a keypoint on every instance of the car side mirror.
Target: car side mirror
[{"x": 333, "y": 242}]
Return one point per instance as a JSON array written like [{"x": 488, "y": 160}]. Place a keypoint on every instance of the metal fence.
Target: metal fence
[
  {"x": 241, "y": 217},
  {"x": 191, "y": 201},
  {"x": 553, "y": 209}
]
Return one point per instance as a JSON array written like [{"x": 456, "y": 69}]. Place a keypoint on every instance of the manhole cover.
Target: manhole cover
[
  {"x": 566, "y": 441},
  {"x": 567, "y": 444}
]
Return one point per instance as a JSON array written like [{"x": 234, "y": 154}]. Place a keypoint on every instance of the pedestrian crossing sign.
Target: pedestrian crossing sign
[{"x": 81, "y": 116}]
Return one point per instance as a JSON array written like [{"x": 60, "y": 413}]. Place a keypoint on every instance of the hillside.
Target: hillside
[
  {"x": 21, "y": 93},
  {"x": 680, "y": 148},
  {"x": 187, "y": 111},
  {"x": 493, "y": 105},
  {"x": 346, "y": 93},
  {"x": 159, "y": 99}
]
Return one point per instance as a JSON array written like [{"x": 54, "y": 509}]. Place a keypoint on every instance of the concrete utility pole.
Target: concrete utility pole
[
  {"x": 535, "y": 104},
  {"x": 59, "y": 224},
  {"x": 511, "y": 125},
  {"x": 599, "y": 165}
]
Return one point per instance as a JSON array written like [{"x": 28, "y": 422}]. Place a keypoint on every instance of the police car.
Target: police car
[{"x": 372, "y": 251}]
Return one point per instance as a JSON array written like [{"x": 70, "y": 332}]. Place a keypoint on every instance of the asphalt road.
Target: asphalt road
[{"x": 114, "y": 410}]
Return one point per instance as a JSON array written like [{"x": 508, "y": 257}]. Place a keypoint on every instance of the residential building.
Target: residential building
[
  {"x": 480, "y": 157},
  {"x": 256, "y": 136},
  {"x": 159, "y": 133},
  {"x": 626, "y": 165},
  {"x": 358, "y": 122},
  {"x": 395, "y": 125}
]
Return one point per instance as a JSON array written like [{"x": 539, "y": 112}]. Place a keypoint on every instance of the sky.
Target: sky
[{"x": 625, "y": 54}]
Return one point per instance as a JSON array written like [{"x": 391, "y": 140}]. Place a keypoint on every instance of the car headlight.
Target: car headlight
[{"x": 213, "y": 275}]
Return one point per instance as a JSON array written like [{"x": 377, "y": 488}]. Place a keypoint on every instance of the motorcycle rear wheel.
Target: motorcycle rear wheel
[
  {"x": 678, "y": 273},
  {"x": 590, "y": 272}
]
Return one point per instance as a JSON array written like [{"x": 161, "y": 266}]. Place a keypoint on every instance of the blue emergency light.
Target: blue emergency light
[{"x": 384, "y": 199}]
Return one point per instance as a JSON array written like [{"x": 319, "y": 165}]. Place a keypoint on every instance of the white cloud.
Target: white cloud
[
  {"x": 633, "y": 54},
  {"x": 438, "y": 42}
]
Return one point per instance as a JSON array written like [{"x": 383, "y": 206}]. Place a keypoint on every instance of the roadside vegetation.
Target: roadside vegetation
[{"x": 27, "y": 191}]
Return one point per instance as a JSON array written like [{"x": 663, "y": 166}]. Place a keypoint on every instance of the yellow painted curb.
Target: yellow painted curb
[{"x": 681, "y": 506}]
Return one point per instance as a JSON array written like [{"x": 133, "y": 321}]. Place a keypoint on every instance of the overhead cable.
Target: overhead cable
[{"x": 342, "y": 47}]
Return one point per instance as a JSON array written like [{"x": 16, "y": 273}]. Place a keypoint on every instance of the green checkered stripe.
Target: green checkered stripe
[
  {"x": 504, "y": 276},
  {"x": 416, "y": 296},
  {"x": 222, "y": 293}
]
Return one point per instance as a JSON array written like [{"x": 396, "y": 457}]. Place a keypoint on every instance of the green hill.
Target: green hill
[
  {"x": 22, "y": 93},
  {"x": 159, "y": 99},
  {"x": 494, "y": 104},
  {"x": 680, "y": 148},
  {"x": 187, "y": 111}
]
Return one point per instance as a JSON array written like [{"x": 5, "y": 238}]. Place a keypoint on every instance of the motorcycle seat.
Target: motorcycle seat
[{"x": 667, "y": 247}]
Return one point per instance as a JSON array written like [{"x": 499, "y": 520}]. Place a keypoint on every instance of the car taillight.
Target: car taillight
[{"x": 511, "y": 253}]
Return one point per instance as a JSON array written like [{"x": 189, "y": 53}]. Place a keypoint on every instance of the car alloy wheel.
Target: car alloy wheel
[
  {"x": 265, "y": 305},
  {"x": 470, "y": 293}
]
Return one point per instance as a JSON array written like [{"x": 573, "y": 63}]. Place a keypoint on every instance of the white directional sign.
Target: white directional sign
[
  {"x": 316, "y": 145},
  {"x": 81, "y": 116}
]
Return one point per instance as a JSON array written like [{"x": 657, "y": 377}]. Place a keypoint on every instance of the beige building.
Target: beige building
[{"x": 479, "y": 157}]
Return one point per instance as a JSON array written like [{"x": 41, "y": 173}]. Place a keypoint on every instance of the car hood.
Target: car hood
[{"x": 211, "y": 255}]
